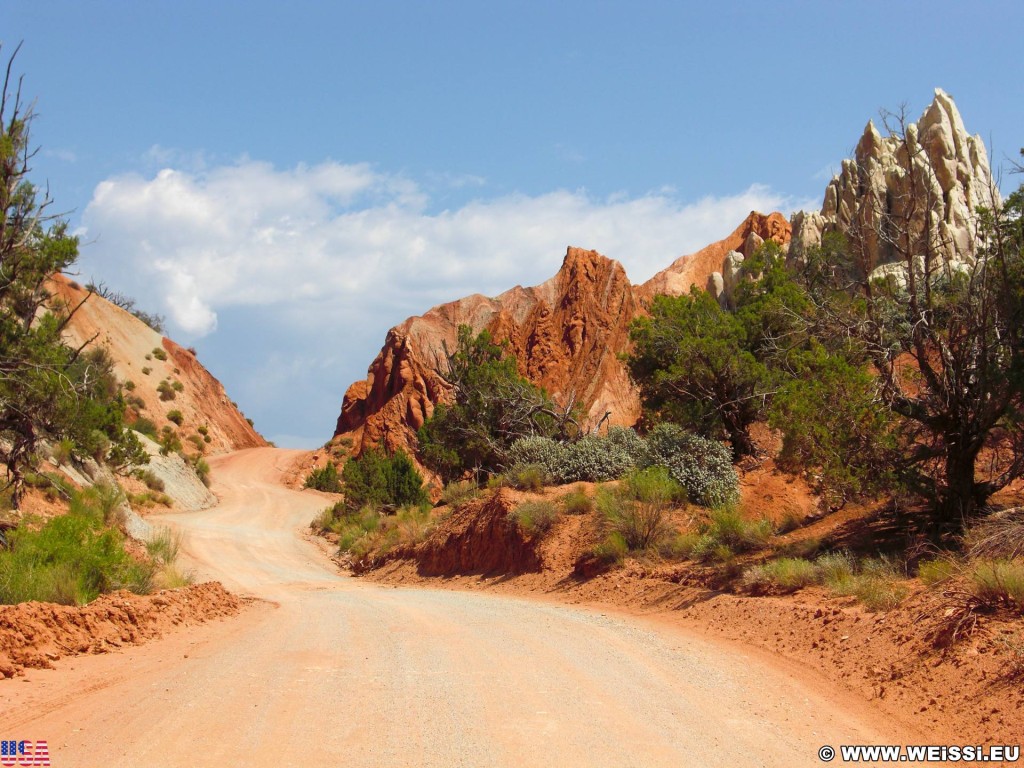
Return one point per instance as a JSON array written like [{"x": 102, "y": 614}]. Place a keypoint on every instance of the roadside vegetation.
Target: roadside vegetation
[{"x": 75, "y": 557}]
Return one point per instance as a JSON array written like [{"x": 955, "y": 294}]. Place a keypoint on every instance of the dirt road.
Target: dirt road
[{"x": 331, "y": 671}]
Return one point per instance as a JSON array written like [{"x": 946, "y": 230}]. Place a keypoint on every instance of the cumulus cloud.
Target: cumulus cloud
[{"x": 318, "y": 246}]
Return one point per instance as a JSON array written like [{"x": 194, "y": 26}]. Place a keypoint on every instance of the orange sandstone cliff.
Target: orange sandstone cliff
[{"x": 566, "y": 335}]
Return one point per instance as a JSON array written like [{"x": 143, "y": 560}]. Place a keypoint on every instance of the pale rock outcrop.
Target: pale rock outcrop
[{"x": 913, "y": 195}]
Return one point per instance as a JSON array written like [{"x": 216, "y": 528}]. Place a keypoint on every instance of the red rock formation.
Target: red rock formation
[
  {"x": 696, "y": 268},
  {"x": 567, "y": 335}
]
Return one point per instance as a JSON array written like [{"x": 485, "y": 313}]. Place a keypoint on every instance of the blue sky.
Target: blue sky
[{"x": 287, "y": 182}]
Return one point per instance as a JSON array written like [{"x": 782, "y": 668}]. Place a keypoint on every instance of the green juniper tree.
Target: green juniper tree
[{"x": 47, "y": 389}]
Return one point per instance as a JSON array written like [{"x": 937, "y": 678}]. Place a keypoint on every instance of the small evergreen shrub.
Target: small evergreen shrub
[
  {"x": 389, "y": 482},
  {"x": 159, "y": 354},
  {"x": 166, "y": 390},
  {"x": 324, "y": 478},
  {"x": 146, "y": 427},
  {"x": 175, "y": 416}
]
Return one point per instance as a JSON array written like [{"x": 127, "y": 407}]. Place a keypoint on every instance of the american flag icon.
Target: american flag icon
[{"x": 24, "y": 753}]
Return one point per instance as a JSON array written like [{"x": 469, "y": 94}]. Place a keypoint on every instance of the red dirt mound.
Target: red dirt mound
[
  {"x": 37, "y": 634},
  {"x": 478, "y": 538}
]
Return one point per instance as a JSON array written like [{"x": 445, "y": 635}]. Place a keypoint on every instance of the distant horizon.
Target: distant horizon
[{"x": 286, "y": 184}]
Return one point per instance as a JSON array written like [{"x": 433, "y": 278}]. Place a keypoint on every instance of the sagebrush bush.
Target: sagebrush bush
[
  {"x": 702, "y": 466},
  {"x": 595, "y": 459},
  {"x": 539, "y": 451},
  {"x": 535, "y": 517}
]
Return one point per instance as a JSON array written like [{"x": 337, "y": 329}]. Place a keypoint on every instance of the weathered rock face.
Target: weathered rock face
[
  {"x": 913, "y": 195},
  {"x": 567, "y": 335},
  {"x": 202, "y": 400},
  {"x": 706, "y": 267}
]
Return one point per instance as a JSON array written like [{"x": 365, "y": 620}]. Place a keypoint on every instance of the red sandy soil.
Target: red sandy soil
[
  {"x": 37, "y": 634},
  {"x": 970, "y": 693}
]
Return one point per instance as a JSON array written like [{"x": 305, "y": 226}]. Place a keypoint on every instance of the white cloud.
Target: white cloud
[{"x": 329, "y": 245}]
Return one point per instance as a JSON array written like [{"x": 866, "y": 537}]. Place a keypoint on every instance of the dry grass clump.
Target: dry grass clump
[
  {"x": 875, "y": 582},
  {"x": 999, "y": 536},
  {"x": 577, "y": 502},
  {"x": 459, "y": 492},
  {"x": 535, "y": 517}
]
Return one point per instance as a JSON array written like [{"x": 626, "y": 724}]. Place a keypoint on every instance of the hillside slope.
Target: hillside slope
[{"x": 135, "y": 349}]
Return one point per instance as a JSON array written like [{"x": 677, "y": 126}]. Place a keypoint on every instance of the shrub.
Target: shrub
[
  {"x": 129, "y": 385},
  {"x": 197, "y": 442},
  {"x": 872, "y": 581},
  {"x": 702, "y": 466},
  {"x": 539, "y": 451},
  {"x": 146, "y": 370},
  {"x": 159, "y": 354},
  {"x": 152, "y": 482},
  {"x": 999, "y": 536},
  {"x": 458, "y": 492},
  {"x": 637, "y": 511},
  {"x": 835, "y": 568},
  {"x": 612, "y": 549},
  {"x": 385, "y": 481},
  {"x": 535, "y": 517},
  {"x": 71, "y": 559},
  {"x": 577, "y": 502},
  {"x": 146, "y": 427},
  {"x": 169, "y": 441},
  {"x": 787, "y": 573},
  {"x": 729, "y": 527},
  {"x": 63, "y": 451},
  {"x": 324, "y": 479},
  {"x": 593, "y": 458},
  {"x": 634, "y": 446},
  {"x": 203, "y": 430},
  {"x": 998, "y": 580},
  {"x": 166, "y": 390},
  {"x": 175, "y": 416},
  {"x": 202, "y": 470},
  {"x": 163, "y": 546},
  {"x": 527, "y": 477},
  {"x": 177, "y": 386}
]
